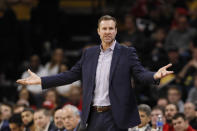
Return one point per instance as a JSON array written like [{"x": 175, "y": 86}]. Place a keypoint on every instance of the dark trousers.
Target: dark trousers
[{"x": 102, "y": 121}]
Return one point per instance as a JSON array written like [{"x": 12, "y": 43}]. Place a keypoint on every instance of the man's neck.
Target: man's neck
[{"x": 105, "y": 46}]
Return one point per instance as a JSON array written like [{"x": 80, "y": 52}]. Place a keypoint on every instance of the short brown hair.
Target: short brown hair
[{"x": 107, "y": 17}]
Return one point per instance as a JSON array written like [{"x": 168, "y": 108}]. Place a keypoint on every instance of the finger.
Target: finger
[
  {"x": 167, "y": 66},
  {"x": 30, "y": 72},
  {"x": 170, "y": 72},
  {"x": 21, "y": 81},
  {"x": 161, "y": 74}
]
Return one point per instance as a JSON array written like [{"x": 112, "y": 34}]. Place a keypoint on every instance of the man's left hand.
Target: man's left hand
[{"x": 162, "y": 72}]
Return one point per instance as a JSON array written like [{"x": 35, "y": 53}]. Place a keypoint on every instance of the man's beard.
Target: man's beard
[
  {"x": 29, "y": 124},
  {"x": 169, "y": 121}
]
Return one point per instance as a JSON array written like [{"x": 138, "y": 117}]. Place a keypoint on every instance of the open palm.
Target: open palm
[{"x": 33, "y": 79}]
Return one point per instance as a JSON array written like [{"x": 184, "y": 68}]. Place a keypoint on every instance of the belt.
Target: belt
[{"x": 101, "y": 108}]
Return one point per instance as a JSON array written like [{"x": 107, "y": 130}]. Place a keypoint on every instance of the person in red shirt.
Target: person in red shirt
[
  {"x": 170, "y": 111},
  {"x": 180, "y": 123}
]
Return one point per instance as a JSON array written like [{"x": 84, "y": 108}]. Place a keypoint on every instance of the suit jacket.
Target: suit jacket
[
  {"x": 5, "y": 126},
  {"x": 125, "y": 64}
]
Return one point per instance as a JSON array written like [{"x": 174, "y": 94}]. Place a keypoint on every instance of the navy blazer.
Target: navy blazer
[{"x": 125, "y": 64}]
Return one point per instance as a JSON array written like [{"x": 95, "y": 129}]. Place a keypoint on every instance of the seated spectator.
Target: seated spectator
[
  {"x": 156, "y": 111},
  {"x": 51, "y": 100},
  {"x": 64, "y": 90},
  {"x": 180, "y": 123},
  {"x": 58, "y": 121},
  {"x": 192, "y": 95},
  {"x": 181, "y": 36},
  {"x": 174, "y": 96},
  {"x": 27, "y": 119},
  {"x": 36, "y": 67},
  {"x": 170, "y": 111},
  {"x": 190, "y": 114},
  {"x": 145, "y": 112},
  {"x": 75, "y": 97},
  {"x": 6, "y": 111},
  {"x": 42, "y": 120},
  {"x": 52, "y": 67},
  {"x": 15, "y": 123},
  {"x": 25, "y": 98},
  {"x": 71, "y": 118},
  {"x": 162, "y": 102},
  {"x": 131, "y": 36},
  {"x": 4, "y": 125}
]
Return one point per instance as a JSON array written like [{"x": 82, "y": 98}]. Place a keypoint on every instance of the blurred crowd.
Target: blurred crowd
[{"x": 39, "y": 35}]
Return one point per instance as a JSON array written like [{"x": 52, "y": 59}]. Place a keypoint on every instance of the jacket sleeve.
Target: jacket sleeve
[
  {"x": 66, "y": 77},
  {"x": 139, "y": 72}
]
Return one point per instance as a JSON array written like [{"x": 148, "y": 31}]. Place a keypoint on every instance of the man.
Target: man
[
  {"x": 71, "y": 118},
  {"x": 144, "y": 111},
  {"x": 180, "y": 123},
  {"x": 42, "y": 120},
  {"x": 170, "y": 111},
  {"x": 58, "y": 121},
  {"x": 106, "y": 70},
  {"x": 27, "y": 119},
  {"x": 190, "y": 114},
  {"x": 4, "y": 125},
  {"x": 156, "y": 111},
  {"x": 174, "y": 96},
  {"x": 6, "y": 110},
  {"x": 15, "y": 123}
]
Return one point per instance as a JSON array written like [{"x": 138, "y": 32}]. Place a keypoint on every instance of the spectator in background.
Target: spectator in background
[
  {"x": 174, "y": 96},
  {"x": 192, "y": 95},
  {"x": 170, "y": 111},
  {"x": 52, "y": 67},
  {"x": 34, "y": 64},
  {"x": 156, "y": 111},
  {"x": 64, "y": 90},
  {"x": 158, "y": 53},
  {"x": 181, "y": 36},
  {"x": 15, "y": 123},
  {"x": 51, "y": 100},
  {"x": 25, "y": 98},
  {"x": 162, "y": 102},
  {"x": 175, "y": 58},
  {"x": 180, "y": 123},
  {"x": 6, "y": 111},
  {"x": 132, "y": 37},
  {"x": 190, "y": 114},
  {"x": 177, "y": 65},
  {"x": 145, "y": 113},
  {"x": 178, "y": 13},
  {"x": 4, "y": 125},
  {"x": 75, "y": 97},
  {"x": 42, "y": 120},
  {"x": 27, "y": 119},
  {"x": 58, "y": 121},
  {"x": 35, "y": 90},
  {"x": 185, "y": 77},
  {"x": 71, "y": 118}
]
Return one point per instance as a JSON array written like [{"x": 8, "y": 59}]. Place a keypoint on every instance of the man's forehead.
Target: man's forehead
[{"x": 107, "y": 22}]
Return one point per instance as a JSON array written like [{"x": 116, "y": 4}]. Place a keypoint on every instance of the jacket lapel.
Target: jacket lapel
[
  {"x": 94, "y": 63},
  {"x": 115, "y": 58}
]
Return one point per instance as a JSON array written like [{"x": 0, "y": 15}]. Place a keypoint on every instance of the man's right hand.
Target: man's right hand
[{"x": 33, "y": 79}]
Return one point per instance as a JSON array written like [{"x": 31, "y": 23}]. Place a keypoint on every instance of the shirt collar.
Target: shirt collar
[{"x": 111, "y": 47}]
